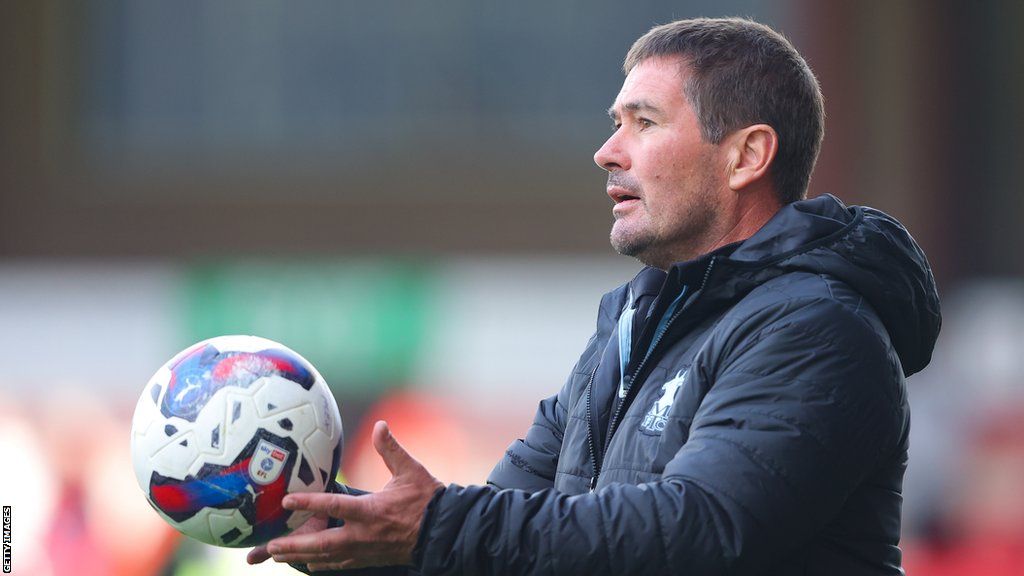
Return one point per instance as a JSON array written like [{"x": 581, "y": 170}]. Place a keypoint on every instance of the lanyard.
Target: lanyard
[
  {"x": 625, "y": 339},
  {"x": 625, "y": 328}
]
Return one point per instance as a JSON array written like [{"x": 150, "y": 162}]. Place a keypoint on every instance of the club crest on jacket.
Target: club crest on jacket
[{"x": 656, "y": 418}]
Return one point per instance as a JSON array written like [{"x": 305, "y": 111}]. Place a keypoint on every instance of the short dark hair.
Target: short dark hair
[{"x": 744, "y": 73}]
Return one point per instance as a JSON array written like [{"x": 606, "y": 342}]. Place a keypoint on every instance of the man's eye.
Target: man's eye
[
  {"x": 644, "y": 123},
  {"x": 616, "y": 126}
]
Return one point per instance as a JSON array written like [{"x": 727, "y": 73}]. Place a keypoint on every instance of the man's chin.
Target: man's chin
[{"x": 632, "y": 247}]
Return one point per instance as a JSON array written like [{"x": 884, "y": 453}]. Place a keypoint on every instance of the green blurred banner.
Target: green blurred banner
[{"x": 362, "y": 324}]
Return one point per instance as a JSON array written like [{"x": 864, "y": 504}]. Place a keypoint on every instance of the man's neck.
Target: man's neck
[
  {"x": 747, "y": 221},
  {"x": 740, "y": 221}
]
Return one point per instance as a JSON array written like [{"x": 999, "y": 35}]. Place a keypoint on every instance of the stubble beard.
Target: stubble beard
[
  {"x": 683, "y": 241},
  {"x": 633, "y": 242},
  {"x": 638, "y": 237}
]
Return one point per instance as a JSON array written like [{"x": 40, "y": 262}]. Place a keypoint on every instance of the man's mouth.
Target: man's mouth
[
  {"x": 620, "y": 195},
  {"x": 624, "y": 201}
]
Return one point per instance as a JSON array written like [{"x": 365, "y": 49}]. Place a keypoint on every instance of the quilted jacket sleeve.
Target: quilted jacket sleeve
[
  {"x": 804, "y": 402},
  {"x": 530, "y": 462}
]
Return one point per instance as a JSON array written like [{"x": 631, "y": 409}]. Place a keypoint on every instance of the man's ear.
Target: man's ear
[{"x": 751, "y": 153}]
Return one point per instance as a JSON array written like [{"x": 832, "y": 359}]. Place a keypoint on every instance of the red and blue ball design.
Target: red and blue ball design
[{"x": 196, "y": 375}]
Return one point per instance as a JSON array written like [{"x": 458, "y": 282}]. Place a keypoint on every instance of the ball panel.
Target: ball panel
[
  {"x": 320, "y": 448},
  {"x": 227, "y": 529},
  {"x": 278, "y": 394},
  {"x": 177, "y": 456}
]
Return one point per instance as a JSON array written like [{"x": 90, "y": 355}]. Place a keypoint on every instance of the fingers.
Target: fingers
[
  {"x": 395, "y": 457},
  {"x": 303, "y": 558},
  {"x": 317, "y": 566},
  {"x": 378, "y": 527},
  {"x": 257, "y": 555},
  {"x": 303, "y": 548},
  {"x": 335, "y": 505}
]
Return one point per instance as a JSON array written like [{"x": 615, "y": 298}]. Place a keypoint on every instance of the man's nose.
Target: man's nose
[{"x": 611, "y": 156}]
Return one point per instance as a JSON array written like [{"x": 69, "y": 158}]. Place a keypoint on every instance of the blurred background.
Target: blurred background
[{"x": 404, "y": 193}]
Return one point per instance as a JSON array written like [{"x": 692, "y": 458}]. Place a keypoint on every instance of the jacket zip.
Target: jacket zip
[
  {"x": 629, "y": 384},
  {"x": 590, "y": 433}
]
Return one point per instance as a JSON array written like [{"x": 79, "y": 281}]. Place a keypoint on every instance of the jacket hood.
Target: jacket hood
[{"x": 868, "y": 250}]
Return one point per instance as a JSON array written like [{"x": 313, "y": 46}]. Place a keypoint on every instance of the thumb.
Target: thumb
[
  {"x": 398, "y": 461},
  {"x": 257, "y": 555}
]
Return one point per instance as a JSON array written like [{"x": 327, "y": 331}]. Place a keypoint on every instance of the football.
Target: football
[{"x": 228, "y": 427}]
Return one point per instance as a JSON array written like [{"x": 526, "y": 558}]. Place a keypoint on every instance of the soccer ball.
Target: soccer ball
[{"x": 228, "y": 427}]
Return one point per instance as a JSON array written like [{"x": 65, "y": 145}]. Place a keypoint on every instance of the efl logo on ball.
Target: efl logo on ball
[{"x": 267, "y": 463}]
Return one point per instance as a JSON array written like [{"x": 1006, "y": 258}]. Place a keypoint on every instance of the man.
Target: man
[{"x": 741, "y": 408}]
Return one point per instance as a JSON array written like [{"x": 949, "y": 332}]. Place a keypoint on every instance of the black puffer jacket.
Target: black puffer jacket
[{"x": 763, "y": 429}]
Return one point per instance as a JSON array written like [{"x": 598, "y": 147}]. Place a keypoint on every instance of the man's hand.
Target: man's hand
[
  {"x": 314, "y": 524},
  {"x": 380, "y": 529}
]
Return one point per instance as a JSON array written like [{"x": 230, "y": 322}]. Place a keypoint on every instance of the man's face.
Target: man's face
[{"x": 662, "y": 175}]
